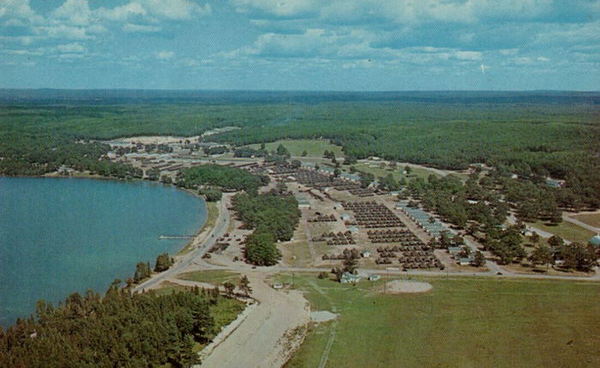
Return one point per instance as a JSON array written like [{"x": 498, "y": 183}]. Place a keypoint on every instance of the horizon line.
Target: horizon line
[{"x": 289, "y": 90}]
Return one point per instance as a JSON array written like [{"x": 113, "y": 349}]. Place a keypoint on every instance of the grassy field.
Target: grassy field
[
  {"x": 378, "y": 172},
  {"x": 567, "y": 230},
  {"x": 216, "y": 277},
  {"x": 313, "y": 147},
  {"x": 461, "y": 323},
  {"x": 592, "y": 219}
]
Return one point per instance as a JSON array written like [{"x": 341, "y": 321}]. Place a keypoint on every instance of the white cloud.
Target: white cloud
[
  {"x": 75, "y": 12},
  {"x": 190, "y": 62},
  {"x": 161, "y": 9},
  {"x": 508, "y": 52},
  {"x": 71, "y": 48},
  {"x": 62, "y": 31},
  {"x": 164, "y": 55},
  {"x": 18, "y": 10},
  {"x": 467, "y": 55},
  {"x": 175, "y": 9},
  {"x": 351, "y": 48},
  {"x": 123, "y": 12},
  {"x": 586, "y": 33},
  {"x": 23, "y": 52},
  {"x": 282, "y": 8},
  {"x": 400, "y": 11},
  {"x": 131, "y": 27}
]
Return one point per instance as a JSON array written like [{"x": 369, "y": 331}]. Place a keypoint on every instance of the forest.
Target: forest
[
  {"x": 528, "y": 133},
  {"x": 273, "y": 216},
  {"x": 225, "y": 177},
  {"x": 119, "y": 329}
]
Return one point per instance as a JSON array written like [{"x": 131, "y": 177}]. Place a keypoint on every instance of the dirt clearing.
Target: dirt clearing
[{"x": 401, "y": 287}]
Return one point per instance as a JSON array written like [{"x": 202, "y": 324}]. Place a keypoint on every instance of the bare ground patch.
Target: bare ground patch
[{"x": 402, "y": 286}]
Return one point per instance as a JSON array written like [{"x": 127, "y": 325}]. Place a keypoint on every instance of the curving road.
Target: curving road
[{"x": 195, "y": 256}]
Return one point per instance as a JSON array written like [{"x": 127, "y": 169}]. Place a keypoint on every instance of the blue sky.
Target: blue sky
[{"x": 301, "y": 44}]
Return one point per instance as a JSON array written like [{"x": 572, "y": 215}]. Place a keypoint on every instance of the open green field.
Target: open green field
[
  {"x": 379, "y": 172},
  {"x": 592, "y": 219},
  {"x": 216, "y": 277},
  {"x": 464, "y": 322},
  {"x": 313, "y": 147},
  {"x": 567, "y": 230}
]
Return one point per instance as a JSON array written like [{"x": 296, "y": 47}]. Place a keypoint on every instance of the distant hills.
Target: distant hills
[{"x": 131, "y": 96}]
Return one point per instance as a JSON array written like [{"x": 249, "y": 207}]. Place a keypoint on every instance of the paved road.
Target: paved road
[
  {"x": 544, "y": 234},
  {"x": 581, "y": 224},
  {"x": 595, "y": 277},
  {"x": 194, "y": 256}
]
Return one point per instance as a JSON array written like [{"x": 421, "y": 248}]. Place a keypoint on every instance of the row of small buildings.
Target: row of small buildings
[{"x": 423, "y": 219}]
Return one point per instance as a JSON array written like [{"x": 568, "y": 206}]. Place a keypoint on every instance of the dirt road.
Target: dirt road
[{"x": 268, "y": 335}]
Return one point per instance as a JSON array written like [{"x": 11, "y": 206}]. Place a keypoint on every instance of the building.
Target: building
[
  {"x": 454, "y": 250},
  {"x": 374, "y": 277},
  {"x": 465, "y": 261},
  {"x": 353, "y": 229},
  {"x": 349, "y": 278},
  {"x": 555, "y": 183},
  {"x": 595, "y": 241},
  {"x": 351, "y": 177},
  {"x": 303, "y": 202}
]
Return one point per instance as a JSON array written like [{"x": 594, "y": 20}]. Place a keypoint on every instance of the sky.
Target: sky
[{"x": 358, "y": 45}]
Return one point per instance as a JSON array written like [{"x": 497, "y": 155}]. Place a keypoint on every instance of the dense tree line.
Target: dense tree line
[
  {"x": 42, "y": 154},
  {"x": 118, "y": 330},
  {"x": 229, "y": 178},
  {"x": 460, "y": 203},
  {"x": 278, "y": 214},
  {"x": 163, "y": 262},
  {"x": 273, "y": 216},
  {"x": 542, "y": 140},
  {"x": 547, "y": 136},
  {"x": 249, "y": 152},
  {"x": 211, "y": 194}
]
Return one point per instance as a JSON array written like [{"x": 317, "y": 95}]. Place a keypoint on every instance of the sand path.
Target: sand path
[{"x": 267, "y": 336}]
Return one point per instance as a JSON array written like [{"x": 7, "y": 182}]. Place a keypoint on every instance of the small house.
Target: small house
[
  {"x": 303, "y": 202},
  {"x": 555, "y": 183},
  {"x": 595, "y": 241},
  {"x": 465, "y": 261},
  {"x": 349, "y": 278},
  {"x": 454, "y": 250}
]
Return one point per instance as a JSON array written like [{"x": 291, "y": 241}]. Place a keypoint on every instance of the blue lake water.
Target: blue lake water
[{"x": 58, "y": 236}]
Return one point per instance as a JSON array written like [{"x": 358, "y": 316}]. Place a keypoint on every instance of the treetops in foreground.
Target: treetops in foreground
[{"x": 118, "y": 330}]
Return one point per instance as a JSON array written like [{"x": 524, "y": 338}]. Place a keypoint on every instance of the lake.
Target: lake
[{"x": 62, "y": 235}]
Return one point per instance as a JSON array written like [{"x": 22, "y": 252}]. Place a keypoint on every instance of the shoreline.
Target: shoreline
[
  {"x": 199, "y": 227},
  {"x": 183, "y": 249}
]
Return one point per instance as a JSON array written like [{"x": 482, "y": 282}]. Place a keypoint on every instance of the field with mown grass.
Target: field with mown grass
[
  {"x": 313, "y": 147},
  {"x": 592, "y": 219},
  {"x": 216, "y": 277},
  {"x": 567, "y": 230},
  {"x": 462, "y": 322}
]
